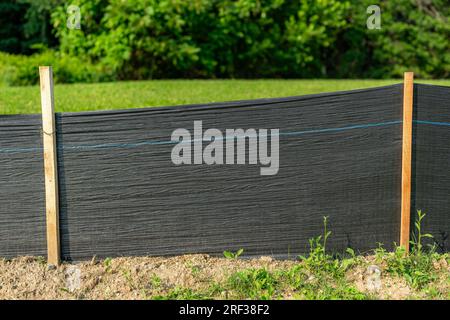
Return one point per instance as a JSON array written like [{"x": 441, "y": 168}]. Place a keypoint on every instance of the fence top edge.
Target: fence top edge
[{"x": 225, "y": 104}]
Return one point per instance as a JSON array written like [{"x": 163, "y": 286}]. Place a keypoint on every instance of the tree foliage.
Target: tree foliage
[
  {"x": 144, "y": 39},
  {"x": 11, "y": 29},
  {"x": 203, "y": 38},
  {"x": 414, "y": 35}
]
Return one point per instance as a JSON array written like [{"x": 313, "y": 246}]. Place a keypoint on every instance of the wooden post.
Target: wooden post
[
  {"x": 50, "y": 165},
  {"x": 408, "y": 88}
]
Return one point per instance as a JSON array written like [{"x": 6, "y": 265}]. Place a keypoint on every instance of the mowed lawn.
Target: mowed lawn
[{"x": 135, "y": 94}]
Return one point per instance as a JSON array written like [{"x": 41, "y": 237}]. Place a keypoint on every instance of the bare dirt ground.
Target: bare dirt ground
[{"x": 148, "y": 277}]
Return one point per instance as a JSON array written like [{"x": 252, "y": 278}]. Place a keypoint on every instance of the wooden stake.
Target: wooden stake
[
  {"x": 408, "y": 88},
  {"x": 50, "y": 165}
]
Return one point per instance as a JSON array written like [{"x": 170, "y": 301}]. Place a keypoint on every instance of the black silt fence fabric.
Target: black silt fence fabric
[
  {"x": 340, "y": 156},
  {"x": 121, "y": 195},
  {"x": 431, "y": 161},
  {"x": 22, "y": 204}
]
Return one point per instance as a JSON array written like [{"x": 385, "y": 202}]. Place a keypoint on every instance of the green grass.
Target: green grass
[
  {"x": 135, "y": 94},
  {"x": 320, "y": 276}
]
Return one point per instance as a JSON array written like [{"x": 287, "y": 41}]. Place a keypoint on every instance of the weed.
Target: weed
[
  {"x": 64, "y": 290},
  {"x": 128, "y": 277},
  {"x": 262, "y": 284},
  {"x": 107, "y": 263},
  {"x": 218, "y": 290},
  {"x": 319, "y": 276},
  {"x": 433, "y": 293},
  {"x": 331, "y": 291},
  {"x": 155, "y": 281},
  {"x": 41, "y": 260},
  {"x": 233, "y": 255},
  {"x": 320, "y": 263},
  {"x": 253, "y": 284},
  {"x": 418, "y": 236},
  {"x": 415, "y": 266},
  {"x": 195, "y": 270}
]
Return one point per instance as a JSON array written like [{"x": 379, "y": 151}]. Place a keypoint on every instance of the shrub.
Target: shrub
[
  {"x": 414, "y": 35},
  {"x": 23, "y": 70},
  {"x": 143, "y": 39}
]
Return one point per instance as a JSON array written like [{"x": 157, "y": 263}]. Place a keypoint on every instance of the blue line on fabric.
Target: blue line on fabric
[
  {"x": 434, "y": 123},
  {"x": 295, "y": 133},
  {"x": 292, "y": 133}
]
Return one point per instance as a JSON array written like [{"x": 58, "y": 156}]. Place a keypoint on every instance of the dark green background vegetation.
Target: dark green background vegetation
[{"x": 148, "y": 39}]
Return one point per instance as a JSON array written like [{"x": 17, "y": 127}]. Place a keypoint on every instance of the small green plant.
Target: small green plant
[
  {"x": 233, "y": 255},
  {"x": 195, "y": 270},
  {"x": 351, "y": 259},
  {"x": 128, "y": 277},
  {"x": 339, "y": 290},
  {"x": 380, "y": 252},
  {"x": 64, "y": 290},
  {"x": 107, "y": 263},
  {"x": 253, "y": 284},
  {"x": 415, "y": 266},
  {"x": 155, "y": 281},
  {"x": 319, "y": 262},
  {"x": 153, "y": 288},
  {"x": 418, "y": 236},
  {"x": 41, "y": 260},
  {"x": 320, "y": 275},
  {"x": 317, "y": 251}
]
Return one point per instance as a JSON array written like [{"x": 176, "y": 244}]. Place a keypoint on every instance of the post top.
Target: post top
[{"x": 44, "y": 68}]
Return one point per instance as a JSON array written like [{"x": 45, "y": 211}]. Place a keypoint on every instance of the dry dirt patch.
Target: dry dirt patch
[
  {"x": 119, "y": 278},
  {"x": 147, "y": 277}
]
